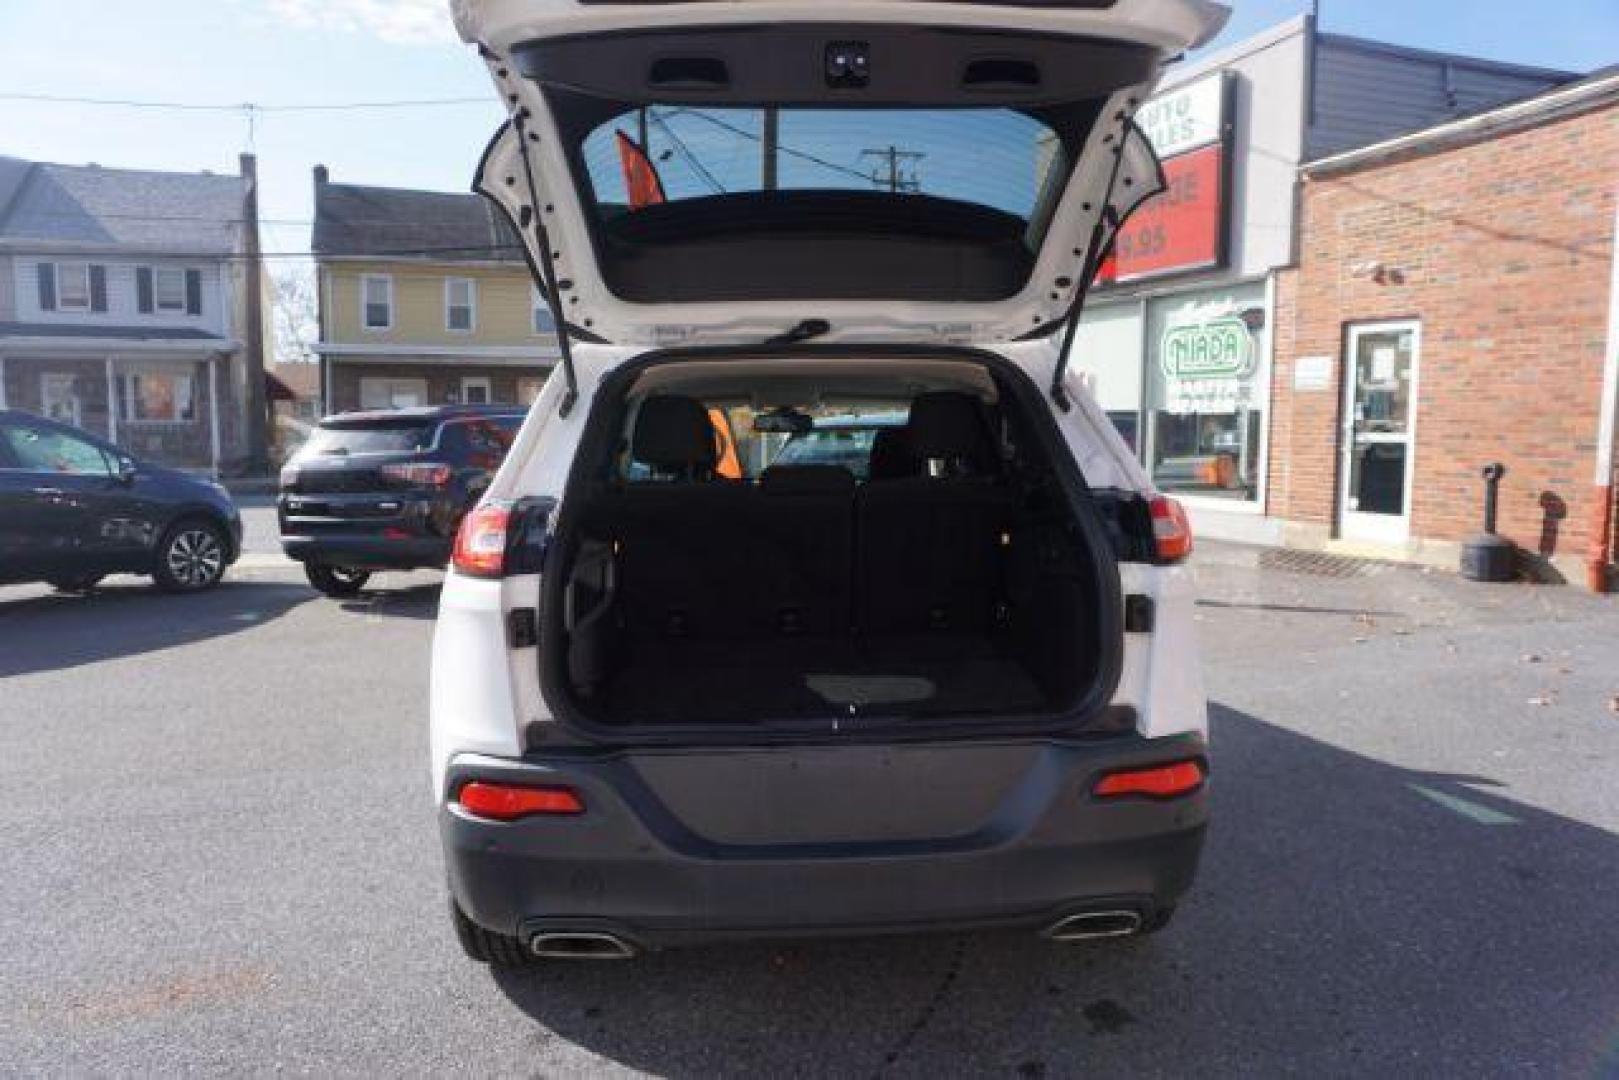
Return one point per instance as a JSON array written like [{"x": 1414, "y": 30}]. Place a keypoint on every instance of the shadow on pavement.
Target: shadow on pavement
[
  {"x": 54, "y": 631},
  {"x": 411, "y": 602},
  {"x": 1351, "y": 917}
]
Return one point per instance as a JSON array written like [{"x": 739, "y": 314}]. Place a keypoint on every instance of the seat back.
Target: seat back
[{"x": 929, "y": 548}]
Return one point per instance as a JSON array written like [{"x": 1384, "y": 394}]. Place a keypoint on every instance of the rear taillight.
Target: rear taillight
[
  {"x": 1157, "y": 782},
  {"x": 1171, "y": 531},
  {"x": 418, "y": 473},
  {"x": 508, "y": 802},
  {"x": 289, "y": 477},
  {"x": 480, "y": 543}
]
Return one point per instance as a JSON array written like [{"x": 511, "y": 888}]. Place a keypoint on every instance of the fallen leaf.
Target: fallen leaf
[
  {"x": 1613, "y": 704},
  {"x": 1531, "y": 658},
  {"x": 1543, "y": 699}
]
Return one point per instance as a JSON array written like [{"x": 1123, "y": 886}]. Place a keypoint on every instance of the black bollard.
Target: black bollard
[{"x": 1488, "y": 557}]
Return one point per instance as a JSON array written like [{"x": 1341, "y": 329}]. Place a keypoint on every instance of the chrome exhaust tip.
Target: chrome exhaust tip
[
  {"x": 1090, "y": 925},
  {"x": 580, "y": 945}
]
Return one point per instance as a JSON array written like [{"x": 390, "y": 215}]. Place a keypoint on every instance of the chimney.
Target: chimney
[{"x": 322, "y": 175}]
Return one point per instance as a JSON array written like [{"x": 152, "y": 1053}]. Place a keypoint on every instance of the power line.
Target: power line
[
  {"x": 242, "y": 106},
  {"x": 745, "y": 133}
]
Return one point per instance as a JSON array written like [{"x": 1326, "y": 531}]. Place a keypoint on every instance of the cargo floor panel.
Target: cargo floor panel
[{"x": 809, "y": 677}]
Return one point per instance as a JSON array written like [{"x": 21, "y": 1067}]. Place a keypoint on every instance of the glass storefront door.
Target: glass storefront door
[{"x": 1380, "y": 377}]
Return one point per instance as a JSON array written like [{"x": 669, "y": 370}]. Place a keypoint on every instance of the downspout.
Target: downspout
[{"x": 1596, "y": 566}]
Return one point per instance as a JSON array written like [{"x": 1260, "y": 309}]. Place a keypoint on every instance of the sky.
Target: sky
[{"x": 325, "y": 52}]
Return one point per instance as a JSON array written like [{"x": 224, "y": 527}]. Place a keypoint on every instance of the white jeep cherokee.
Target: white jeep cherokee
[{"x": 943, "y": 674}]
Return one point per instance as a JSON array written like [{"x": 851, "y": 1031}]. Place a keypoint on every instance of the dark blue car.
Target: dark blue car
[{"x": 75, "y": 508}]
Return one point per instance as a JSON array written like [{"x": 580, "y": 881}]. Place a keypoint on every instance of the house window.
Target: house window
[
  {"x": 460, "y": 298},
  {"x": 378, "y": 393},
  {"x": 73, "y": 286},
  {"x": 59, "y": 397},
  {"x": 475, "y": 390},
  {"x": 162, "y": 397},
  {"x": 169, "y": 289},
  {"x": 543, "y": 323},
  {"x": 377, "y": 293}
]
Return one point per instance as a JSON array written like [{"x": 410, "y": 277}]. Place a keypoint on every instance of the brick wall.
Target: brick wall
[{"x": 1503, "y": 250}]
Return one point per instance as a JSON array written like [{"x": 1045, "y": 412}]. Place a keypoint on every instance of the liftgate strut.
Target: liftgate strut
[{"x": 547, "y": 268}]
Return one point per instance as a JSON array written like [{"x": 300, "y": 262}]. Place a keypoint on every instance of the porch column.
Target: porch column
[
  {"x": 2, "y": 380},
  {"x": 213, "y": 411},
  {"x": 112, "y": 403}
]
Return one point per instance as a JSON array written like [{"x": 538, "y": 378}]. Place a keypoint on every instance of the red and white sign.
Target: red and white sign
[
  {"x": 1179, "y": 229},
  {"x": 1183, "y": 227}
]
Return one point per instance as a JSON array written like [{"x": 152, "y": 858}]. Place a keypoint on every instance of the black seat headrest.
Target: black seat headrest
[
  {"x": 949, "y": 424},
  {"x": 806, "y": 480},
  {"x": 673, "y": 432},
  {"x": 892, "y": 457}
]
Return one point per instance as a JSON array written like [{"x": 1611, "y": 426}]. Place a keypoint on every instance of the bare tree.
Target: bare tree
[{"x": 296, "y": 313}]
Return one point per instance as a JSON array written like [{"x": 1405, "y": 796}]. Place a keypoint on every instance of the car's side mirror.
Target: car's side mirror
[{"x": 126, "y": 469}]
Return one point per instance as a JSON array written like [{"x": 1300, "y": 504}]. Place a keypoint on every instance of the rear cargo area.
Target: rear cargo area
[{"x": 925, "y": 566}]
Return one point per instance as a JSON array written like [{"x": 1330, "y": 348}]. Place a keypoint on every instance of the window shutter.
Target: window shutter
[
  {"x": 98, "y": 288},
  {"x": 143, "y": 290},
  {"x": 193, "y": 292},
  {"x": 47, "y": 286}
]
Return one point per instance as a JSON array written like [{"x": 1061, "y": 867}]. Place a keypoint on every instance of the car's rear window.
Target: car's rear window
[
  {"x": 993, "y": 158},
  {"x": 394, "y": 436}
]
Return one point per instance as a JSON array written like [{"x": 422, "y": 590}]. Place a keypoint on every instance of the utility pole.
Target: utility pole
[
  {"x": 768, "y": 140},
  {"x": 896, "y": 161},
  {"x": 256, "y": 407}
]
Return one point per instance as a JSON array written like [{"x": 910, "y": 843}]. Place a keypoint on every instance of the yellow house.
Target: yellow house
[{"x": 425, "y": 299}]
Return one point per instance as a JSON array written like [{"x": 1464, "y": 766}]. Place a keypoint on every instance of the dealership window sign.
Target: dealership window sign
[
  {"x": 1182, "y": 228},
  {"x": 1206, "y": 366}
]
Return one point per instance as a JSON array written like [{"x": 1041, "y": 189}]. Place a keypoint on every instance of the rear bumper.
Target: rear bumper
[
  {"x": 369, "y": 550},
  {"x": 628, "y": 865}
]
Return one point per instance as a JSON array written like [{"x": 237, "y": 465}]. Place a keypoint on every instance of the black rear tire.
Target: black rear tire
[
  {"x": 336, "y": 581},
  {"x": 79, "y": 583},
  {"x": 191, "y": 557},
  {"x": 486, "y": 946}
]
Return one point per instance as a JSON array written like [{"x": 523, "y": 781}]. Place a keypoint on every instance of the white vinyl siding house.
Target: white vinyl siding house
[{"x": 124, "y": 306}]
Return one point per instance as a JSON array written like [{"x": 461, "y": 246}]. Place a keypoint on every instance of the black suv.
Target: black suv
[{"x": 387, "y": 490}]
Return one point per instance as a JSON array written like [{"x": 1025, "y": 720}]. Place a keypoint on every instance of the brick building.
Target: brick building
[{"x": 1453, "y": 305}]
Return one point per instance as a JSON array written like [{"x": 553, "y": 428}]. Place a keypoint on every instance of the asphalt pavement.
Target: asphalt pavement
[{"x": 218, "y": 854}]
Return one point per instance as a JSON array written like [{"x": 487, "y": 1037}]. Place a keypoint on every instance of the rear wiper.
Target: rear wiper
[{"x": 809, "y": 328}]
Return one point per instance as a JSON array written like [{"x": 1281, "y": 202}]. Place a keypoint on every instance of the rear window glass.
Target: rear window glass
[
  {"x": 993, "y": 158},
  {"x": 380, "y": 437},
  {"x": 841, "y": 435}
]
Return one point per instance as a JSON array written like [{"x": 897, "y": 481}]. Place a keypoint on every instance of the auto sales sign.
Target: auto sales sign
[{"x": 1184, "y": 227}]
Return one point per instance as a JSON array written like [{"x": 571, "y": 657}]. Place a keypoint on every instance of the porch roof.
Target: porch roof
[{"x": 58, "y": 338}]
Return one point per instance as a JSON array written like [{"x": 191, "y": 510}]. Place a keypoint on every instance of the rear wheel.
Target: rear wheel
[
  {"x": 339, "y": 581},
  {"x": 78, "y": 583},
  {"x": 487, "y": 947},
  {"x": 191, "y": 556}
]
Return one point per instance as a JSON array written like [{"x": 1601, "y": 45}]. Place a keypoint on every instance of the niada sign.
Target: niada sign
[{"x": 1217, "y": 349}]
